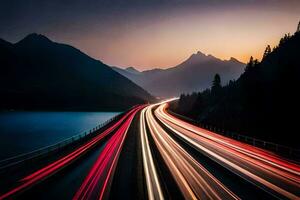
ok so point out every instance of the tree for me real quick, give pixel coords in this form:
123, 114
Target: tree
285, 38
197, 106
267, 51
255, 62
298, 28
250, 64
216, 83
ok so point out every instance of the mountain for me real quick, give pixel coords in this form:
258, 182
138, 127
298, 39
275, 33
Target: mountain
193, 74
263, 103
132, 70
37, 73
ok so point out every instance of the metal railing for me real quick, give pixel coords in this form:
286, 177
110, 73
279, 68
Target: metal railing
15, 160
283, 150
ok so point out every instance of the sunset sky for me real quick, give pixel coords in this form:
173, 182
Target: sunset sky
154, 33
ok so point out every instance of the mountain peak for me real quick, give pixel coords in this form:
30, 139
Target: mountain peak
232, 59
34, 37
199, 53
132, 70
62, 73
199, 57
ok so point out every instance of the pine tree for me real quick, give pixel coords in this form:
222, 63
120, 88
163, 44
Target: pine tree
250, 64
255, 62
216, 83
284, 39
198, 105
267, 51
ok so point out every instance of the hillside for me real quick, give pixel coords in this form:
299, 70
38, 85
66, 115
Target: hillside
263, 102
193, 74
37, 73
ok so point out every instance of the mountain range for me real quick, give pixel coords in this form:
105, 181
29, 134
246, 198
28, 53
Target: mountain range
37, 73
262, 103
194, 74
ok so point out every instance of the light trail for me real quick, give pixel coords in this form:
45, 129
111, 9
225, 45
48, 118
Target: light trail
152, 180
262, 168
194, 181
55, 166
258, 153
268, 171
96, 184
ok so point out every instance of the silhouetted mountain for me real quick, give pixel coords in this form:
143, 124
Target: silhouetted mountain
264, 102
132, 70
37, 73
193, 74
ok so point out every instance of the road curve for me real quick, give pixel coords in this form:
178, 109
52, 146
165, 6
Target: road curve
269, 172
193, 180
152, 182
176, 160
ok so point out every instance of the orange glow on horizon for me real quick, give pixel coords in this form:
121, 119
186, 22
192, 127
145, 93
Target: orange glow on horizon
166, 40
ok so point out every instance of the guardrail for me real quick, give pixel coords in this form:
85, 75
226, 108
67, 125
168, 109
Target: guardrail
21, 158
286, 151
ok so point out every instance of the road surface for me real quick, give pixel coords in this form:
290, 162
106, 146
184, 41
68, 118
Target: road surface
255, 173
150, 154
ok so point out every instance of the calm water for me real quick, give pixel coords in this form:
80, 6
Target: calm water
26, 131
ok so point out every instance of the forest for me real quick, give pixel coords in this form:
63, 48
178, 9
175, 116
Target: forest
262, 103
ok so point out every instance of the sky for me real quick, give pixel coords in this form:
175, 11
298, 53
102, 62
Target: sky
148, 34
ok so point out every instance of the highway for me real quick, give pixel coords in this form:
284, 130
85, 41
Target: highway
276, 177
96, 182
194, 181
32, 179
150, 154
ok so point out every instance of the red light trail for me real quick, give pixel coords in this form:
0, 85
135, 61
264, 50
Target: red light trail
102, 171
54, 167
172, 138
266, 170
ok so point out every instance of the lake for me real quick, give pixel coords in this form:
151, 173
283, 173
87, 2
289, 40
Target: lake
22, 132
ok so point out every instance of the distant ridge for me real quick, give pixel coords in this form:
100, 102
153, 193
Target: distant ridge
194, 74
262, 103
37, 73
132, 70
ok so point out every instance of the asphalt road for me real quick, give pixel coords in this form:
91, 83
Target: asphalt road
206, 165
150, 154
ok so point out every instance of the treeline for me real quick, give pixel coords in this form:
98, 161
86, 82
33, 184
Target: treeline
262, 103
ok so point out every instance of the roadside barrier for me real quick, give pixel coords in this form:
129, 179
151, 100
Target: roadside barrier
41, 152
282, 150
